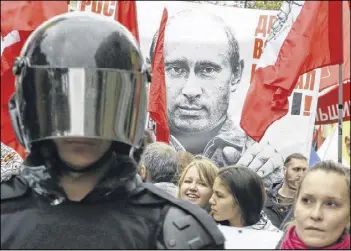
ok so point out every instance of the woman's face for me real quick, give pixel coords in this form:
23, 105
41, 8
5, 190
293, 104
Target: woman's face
194, 188
322, 209
223, 206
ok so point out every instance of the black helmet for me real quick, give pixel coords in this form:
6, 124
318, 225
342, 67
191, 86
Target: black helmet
80, 74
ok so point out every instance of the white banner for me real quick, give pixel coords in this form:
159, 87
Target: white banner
207, 82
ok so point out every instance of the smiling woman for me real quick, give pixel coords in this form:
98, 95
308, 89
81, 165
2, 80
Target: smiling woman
196, 181
322, 210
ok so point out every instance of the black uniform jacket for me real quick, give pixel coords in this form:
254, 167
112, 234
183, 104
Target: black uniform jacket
120, 213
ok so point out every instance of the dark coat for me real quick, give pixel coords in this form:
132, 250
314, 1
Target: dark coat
274, 211
120, 213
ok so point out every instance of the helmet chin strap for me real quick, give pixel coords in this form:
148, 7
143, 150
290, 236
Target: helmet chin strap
96, 165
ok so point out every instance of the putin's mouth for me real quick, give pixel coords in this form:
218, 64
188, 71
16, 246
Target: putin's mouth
190, 108
192, 111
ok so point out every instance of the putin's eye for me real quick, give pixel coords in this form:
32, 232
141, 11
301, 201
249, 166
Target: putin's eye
207, 70
175, 71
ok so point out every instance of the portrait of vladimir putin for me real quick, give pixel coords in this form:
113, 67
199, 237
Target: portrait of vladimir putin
202, 68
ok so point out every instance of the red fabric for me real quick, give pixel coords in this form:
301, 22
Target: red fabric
27, 15
126, 14
330, 74
24, 17
313, 41
158, 102
328, 105
292, 241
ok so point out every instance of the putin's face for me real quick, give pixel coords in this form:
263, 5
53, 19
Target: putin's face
198, 74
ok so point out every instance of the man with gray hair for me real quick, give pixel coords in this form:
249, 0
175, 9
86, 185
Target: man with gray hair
202, 68
159, 165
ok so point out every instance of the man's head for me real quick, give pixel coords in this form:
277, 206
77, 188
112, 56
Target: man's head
158, 163
295, 166
83, 97
202, 67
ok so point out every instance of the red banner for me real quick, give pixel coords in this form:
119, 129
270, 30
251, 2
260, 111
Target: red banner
327, 109
330, 74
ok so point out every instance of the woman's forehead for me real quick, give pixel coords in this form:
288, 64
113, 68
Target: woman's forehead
325, 184
220, 185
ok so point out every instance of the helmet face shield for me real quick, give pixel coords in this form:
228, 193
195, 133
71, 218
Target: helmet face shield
81, 102
80, 75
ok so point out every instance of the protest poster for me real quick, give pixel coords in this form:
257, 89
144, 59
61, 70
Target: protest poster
207, 80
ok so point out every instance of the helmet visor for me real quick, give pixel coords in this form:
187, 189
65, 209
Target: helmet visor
95, 103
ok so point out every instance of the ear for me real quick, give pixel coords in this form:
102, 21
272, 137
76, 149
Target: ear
236, 76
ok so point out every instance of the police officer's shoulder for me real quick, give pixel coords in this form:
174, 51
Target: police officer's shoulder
13, 188
186, 226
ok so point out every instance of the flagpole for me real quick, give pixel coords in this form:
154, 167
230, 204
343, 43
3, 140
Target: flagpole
340, 105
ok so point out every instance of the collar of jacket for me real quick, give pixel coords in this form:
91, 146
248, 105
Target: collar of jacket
119, 180
274, 189
272, 193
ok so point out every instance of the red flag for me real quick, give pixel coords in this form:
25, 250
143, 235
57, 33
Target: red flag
330, 74
158, 99
306, 35
13, 43
126, 14
18, 20
27, 15
327, 108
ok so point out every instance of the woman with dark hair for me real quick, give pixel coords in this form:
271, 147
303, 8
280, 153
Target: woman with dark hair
321, 210
238, 199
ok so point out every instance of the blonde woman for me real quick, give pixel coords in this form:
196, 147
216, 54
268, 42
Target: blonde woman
196, 181
321, 210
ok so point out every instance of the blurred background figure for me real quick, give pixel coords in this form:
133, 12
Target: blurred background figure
147, 140
159, 165
11, 162
238, 199
321, 210
184, 159
280, 196
196, 181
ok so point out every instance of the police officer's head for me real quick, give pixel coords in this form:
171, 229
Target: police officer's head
80, 83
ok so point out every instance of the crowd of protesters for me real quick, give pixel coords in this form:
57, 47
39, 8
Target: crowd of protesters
311, 205
91, 182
